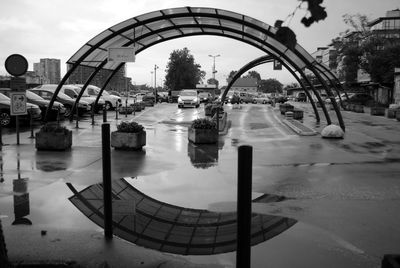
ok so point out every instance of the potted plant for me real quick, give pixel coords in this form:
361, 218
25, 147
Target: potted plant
128, 136
203, 130
53, 136
378, 109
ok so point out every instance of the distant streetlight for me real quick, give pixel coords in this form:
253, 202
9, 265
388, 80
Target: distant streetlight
213, 68
155, 82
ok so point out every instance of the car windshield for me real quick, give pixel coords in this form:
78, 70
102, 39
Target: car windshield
4, 97
188, 93
33, 96
63, 96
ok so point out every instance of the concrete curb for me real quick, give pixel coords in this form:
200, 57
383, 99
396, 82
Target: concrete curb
295, 126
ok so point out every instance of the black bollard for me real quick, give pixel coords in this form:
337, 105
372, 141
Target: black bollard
31, 124
217, 113
104, 114
116, 111
243, 253
92, 114
58, 115
77, 117
126, 107
106, 153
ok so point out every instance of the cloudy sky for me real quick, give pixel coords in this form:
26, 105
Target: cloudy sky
58, 28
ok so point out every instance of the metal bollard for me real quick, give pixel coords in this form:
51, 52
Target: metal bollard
58, 115
77, 117
104, 114
243, 253
17, 127
31, 124
217, 113
1, 135
116, 110
126, 108
92, 114
106, 155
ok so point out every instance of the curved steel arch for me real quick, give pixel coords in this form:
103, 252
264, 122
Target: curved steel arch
160, 26
263, 60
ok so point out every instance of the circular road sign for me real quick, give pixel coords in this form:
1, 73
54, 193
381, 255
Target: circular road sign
16, 65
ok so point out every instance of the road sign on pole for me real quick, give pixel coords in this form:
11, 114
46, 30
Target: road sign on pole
18, 103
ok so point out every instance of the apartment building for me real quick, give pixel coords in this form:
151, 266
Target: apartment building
48, 70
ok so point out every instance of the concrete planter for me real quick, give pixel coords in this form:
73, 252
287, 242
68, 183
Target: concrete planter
298, 114
128, 141
392, 112
202, 136
285, 107
380, 111
53, 141
358, 108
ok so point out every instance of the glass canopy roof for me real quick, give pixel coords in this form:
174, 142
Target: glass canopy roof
148, 29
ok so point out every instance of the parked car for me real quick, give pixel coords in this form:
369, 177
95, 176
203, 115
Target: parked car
281, 99
301, 96
110, 101
7, 119
162, 97
247, 98
115, 93
204, 96
188, 98
73, 91
48, 92
360, 98
264, 99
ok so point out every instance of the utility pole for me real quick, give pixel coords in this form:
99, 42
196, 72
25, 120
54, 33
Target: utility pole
155, 82
213, 67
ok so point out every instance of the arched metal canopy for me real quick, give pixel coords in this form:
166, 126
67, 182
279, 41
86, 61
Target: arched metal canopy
159, 26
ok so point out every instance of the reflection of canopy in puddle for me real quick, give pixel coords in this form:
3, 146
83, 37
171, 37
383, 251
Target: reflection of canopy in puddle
170, 228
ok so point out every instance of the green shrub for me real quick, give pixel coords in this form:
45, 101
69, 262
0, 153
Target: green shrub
54, 128
129, 127
203, 123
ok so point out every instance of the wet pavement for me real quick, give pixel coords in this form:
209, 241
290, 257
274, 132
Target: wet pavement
345, 194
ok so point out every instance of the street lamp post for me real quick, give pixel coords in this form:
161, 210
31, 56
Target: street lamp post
155, 82
213, 68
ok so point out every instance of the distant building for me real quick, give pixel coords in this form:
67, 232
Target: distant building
119, 82
245, 84
48, 70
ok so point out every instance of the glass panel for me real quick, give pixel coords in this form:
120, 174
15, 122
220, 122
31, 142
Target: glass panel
209, 30
149, 16
258, 23
140, 30
175, 11
79, 53
239, 36
202, 10
230, 14
119, 26
99, 37
97, 55
231, 25
296, 60
276, 44
117, 41
172, 33
159, 24
181, 21
305, 54
190, 30
209, 21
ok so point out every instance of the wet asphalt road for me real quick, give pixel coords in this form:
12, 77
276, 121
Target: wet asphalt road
345, 194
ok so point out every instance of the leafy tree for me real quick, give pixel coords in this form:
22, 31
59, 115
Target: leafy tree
253, 74
182, 70
213, 81
291, 85
230, 76
270, 86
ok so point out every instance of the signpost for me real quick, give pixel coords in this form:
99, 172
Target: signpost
121, 54
17, 65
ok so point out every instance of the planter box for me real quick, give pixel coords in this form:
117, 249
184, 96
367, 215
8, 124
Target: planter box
129, 110
53, 141
128, 141
298, 114
199, 136
358, 108
286, 108
378, 111
392, 112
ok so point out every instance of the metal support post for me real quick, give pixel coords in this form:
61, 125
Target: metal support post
17, 127
77, 117
217, 113
92, 114
104, 114
106, 153
58, 115
31, 124
116, 110
243, 253
126, 107
1, 135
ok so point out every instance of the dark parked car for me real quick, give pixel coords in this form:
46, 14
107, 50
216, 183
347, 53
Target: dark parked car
360, 98
281, 99
6, 119
68, 102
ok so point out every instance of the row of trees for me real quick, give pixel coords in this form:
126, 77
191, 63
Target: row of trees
360, 48
183, 72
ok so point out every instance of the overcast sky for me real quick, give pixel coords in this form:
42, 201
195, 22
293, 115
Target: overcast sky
58, 28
